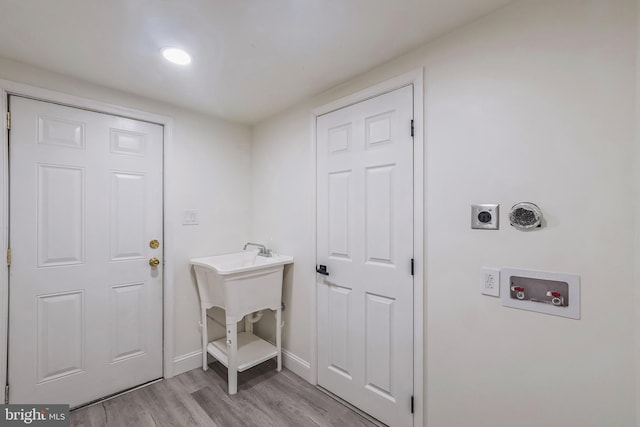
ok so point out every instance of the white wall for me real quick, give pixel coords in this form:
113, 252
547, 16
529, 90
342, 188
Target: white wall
209, 170
284, 217
636, 198
534, 102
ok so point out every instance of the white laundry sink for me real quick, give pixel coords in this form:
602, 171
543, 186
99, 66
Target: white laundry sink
239, 262
241, 283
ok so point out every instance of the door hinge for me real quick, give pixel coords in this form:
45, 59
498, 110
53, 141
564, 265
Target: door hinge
8, 120
412, 404
412, 128
412, 263
6, 394
8, 257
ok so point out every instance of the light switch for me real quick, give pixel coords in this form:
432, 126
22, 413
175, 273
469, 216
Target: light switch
190, 217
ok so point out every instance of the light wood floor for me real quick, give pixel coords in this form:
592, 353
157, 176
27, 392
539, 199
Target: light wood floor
197, 398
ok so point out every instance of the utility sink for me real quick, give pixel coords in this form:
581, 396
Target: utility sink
241, 283
239, 262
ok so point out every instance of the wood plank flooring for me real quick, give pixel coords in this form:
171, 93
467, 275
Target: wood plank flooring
197, 398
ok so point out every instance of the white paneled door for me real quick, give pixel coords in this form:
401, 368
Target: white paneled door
365, 239
85, 303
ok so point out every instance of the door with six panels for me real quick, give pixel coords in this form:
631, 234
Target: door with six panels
365, 239
85, 303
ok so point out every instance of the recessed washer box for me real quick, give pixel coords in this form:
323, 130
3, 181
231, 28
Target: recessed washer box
557, 294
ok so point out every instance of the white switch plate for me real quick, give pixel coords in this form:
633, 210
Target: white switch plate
190, 217
490, 282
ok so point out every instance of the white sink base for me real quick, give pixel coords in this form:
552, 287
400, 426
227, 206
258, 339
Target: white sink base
251, 351
239, 352
240, 283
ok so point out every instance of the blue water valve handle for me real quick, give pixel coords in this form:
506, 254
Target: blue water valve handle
322, 270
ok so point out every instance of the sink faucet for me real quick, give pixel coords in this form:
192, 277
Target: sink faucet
263, 249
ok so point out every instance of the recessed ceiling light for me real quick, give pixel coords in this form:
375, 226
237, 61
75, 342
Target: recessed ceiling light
177, 56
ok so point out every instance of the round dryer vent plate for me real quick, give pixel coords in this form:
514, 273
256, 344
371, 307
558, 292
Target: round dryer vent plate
525, 216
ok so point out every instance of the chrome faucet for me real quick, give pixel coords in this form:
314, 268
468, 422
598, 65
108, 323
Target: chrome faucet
263, 249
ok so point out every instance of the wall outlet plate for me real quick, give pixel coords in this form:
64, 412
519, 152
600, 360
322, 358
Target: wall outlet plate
485, 217
490, 282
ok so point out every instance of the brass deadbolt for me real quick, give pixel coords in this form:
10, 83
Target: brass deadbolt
154, 244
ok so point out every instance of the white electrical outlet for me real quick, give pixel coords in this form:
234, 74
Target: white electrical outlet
490, 282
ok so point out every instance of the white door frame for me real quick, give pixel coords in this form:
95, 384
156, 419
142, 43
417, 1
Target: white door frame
419, 161
18, 89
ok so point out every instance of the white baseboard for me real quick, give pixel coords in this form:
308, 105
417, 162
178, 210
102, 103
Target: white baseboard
189, 361
296, 364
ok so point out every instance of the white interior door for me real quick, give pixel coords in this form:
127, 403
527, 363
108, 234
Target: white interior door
85, 306
365, 238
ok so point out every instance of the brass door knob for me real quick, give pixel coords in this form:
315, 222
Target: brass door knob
154, 262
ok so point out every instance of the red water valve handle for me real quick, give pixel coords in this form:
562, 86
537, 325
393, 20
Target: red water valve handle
517, 289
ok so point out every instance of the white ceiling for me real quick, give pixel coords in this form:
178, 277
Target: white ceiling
251, 58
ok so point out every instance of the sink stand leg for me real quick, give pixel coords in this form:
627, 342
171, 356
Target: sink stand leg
248, 326
279, 337
205, 337
232, 355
